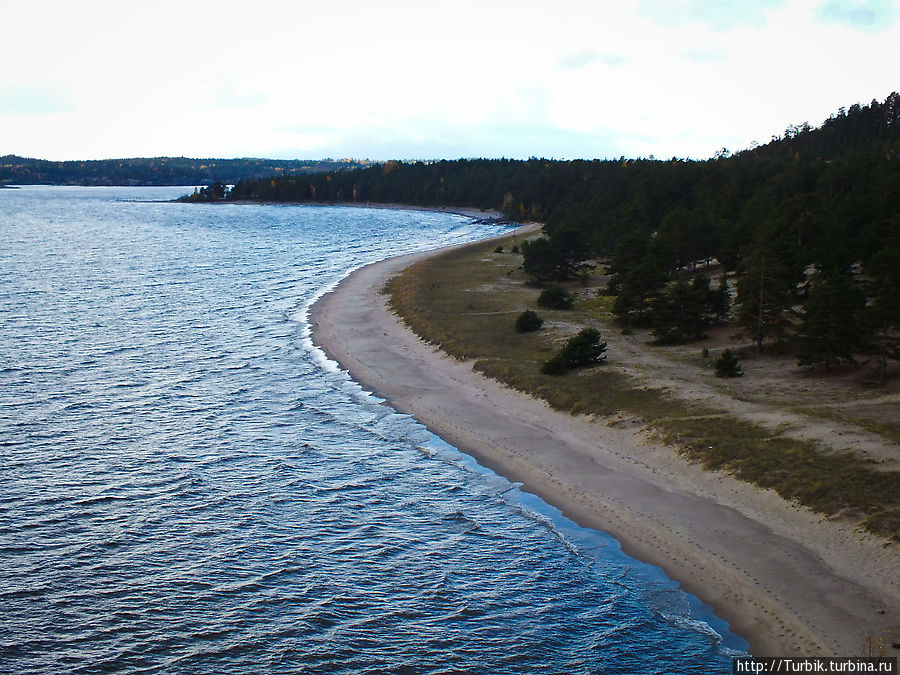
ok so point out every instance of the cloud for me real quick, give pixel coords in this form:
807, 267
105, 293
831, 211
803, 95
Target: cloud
229, 97
865, 15
580, 60
27, 100
718, 14
706, 55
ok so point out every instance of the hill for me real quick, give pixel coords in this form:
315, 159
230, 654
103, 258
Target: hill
158, 170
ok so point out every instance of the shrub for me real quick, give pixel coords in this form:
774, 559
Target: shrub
727, 365
583, 349
528, 321
555, 297
499, 249
555, 365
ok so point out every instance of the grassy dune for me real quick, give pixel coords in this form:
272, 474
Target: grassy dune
466, 302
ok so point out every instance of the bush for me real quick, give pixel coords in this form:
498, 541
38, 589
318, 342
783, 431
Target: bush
555, 297
555, 365
727, 365
583, 349
528, 321
499, 249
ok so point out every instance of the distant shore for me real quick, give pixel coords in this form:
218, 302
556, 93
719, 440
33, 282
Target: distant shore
773, 571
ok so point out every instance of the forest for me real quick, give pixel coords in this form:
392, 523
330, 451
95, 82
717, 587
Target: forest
797, 240
157, 170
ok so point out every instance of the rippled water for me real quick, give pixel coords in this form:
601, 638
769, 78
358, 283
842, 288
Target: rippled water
188, 485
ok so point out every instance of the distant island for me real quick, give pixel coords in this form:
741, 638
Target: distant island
159, 170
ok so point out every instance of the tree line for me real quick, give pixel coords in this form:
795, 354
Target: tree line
157, 170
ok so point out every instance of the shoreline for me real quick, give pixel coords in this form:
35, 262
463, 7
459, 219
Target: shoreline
485, 215
786, 580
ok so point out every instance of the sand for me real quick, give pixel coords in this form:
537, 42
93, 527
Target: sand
787, 580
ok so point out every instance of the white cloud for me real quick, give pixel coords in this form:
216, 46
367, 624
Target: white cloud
718, 14
582, 59
866, 15
31, 100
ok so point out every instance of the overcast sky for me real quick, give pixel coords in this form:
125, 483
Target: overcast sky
421, 79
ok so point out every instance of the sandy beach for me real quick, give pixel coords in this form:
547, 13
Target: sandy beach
788, 580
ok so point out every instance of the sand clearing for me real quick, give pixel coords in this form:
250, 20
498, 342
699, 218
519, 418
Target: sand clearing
786, 579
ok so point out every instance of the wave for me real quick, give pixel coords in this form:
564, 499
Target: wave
192, 485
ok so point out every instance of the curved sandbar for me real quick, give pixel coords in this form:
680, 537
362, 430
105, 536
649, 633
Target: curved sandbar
787, 580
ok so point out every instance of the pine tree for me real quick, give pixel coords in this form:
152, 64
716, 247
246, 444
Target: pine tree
544, 261
829, 331
767, 291
881, 316
582, 349
685, 311
727, 365
637, 291
679, 314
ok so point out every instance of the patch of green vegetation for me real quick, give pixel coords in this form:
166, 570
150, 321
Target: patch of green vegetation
556, 297
882, 427
597, 305
433, 295
727, 365
528, 321
886, 429
885, 522
794, 469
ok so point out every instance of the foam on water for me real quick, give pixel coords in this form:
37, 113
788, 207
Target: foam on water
190, 486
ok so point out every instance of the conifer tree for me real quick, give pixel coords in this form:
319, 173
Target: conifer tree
678, 314
685, 311
544, 261
767, 291
727, 365
881, 316
829, 331
582, 349
638, 289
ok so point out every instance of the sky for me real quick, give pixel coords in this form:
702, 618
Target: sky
398, 79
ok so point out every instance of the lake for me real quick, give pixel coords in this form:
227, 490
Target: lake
189, 485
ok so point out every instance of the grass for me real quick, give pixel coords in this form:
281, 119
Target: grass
466, 302
885, 428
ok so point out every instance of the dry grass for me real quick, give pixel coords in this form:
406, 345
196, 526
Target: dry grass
466, 302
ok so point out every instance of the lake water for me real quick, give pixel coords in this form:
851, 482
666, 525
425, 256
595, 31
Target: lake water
189, 485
